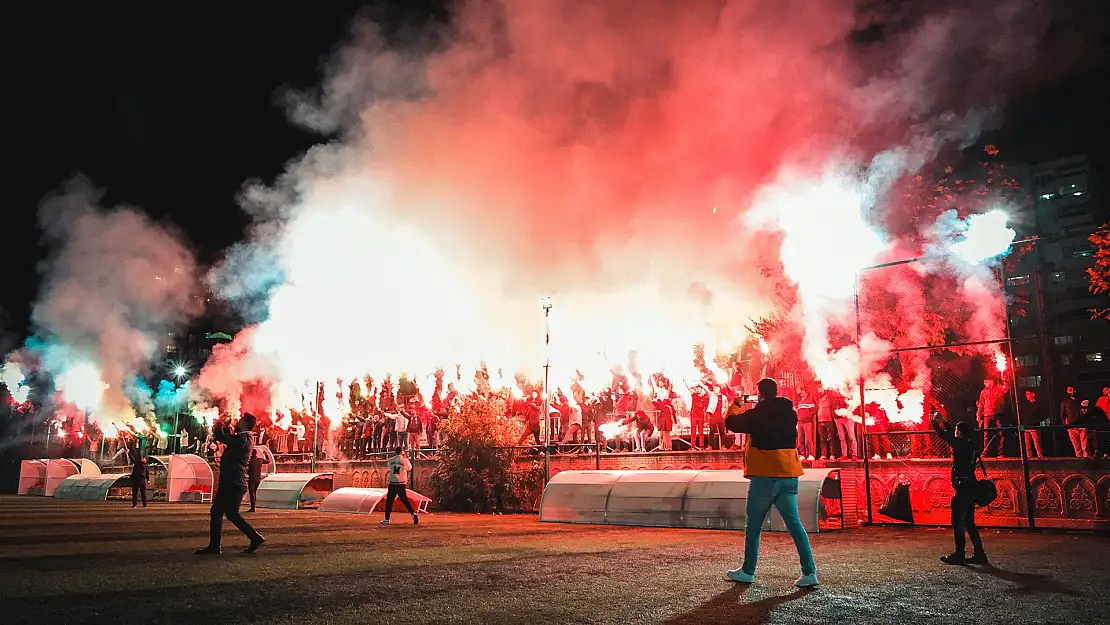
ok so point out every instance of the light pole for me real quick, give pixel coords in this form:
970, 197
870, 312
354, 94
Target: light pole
178, 372
545, 302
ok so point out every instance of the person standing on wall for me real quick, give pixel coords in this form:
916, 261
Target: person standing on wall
772, 464
254, 477
1033, 412
234, 469
807, 413
399, 467
140, 474
988, 410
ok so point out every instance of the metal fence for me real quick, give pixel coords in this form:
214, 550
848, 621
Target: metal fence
1045, 453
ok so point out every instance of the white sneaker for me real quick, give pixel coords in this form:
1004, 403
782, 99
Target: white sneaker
810, 458
738, 575
807, 581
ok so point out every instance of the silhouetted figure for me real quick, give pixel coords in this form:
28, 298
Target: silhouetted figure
140, 473
399, 467
965, 452
234, 469
255, 477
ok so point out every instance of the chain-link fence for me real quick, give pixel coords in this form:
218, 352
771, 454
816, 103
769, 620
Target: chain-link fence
1033, 396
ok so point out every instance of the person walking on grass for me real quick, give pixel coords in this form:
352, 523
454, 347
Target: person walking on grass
772, 464
399, 467
234, 468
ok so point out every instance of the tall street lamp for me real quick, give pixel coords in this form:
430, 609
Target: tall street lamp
545, 302
179, 371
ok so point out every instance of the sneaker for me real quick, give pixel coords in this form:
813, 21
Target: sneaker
889, 456
384, 522
738, 575
255, 544
810, 458
806, 581
208, 551
953, 558
415, 520
978, 558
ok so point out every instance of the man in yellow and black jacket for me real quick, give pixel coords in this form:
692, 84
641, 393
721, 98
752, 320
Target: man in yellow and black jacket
772, 464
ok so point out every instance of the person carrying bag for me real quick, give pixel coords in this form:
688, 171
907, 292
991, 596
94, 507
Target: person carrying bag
969, 490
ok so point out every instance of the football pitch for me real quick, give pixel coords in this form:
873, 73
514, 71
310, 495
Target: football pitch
101, 562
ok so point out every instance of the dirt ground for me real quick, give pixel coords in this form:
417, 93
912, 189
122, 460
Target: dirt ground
100, 562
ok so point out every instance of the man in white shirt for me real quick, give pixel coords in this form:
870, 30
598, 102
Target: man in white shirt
575, 427
400, 426
399, 467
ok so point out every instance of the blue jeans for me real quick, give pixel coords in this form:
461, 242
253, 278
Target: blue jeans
782, 493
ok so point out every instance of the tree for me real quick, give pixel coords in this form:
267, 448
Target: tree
478, 469
1099, 274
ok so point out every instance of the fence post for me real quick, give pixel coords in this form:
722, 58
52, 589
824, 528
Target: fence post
1025, 472
863, 405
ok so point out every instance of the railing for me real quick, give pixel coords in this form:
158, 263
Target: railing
1047, 477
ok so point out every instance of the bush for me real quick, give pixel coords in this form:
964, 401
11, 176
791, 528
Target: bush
477, 471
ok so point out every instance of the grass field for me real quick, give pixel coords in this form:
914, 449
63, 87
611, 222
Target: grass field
101, 562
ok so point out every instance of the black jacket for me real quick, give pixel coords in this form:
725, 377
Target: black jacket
235, 461
772, 424
964, 454
139, 470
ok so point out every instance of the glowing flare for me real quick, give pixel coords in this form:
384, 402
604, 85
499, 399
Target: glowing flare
81, 385
1000, 362
985, 236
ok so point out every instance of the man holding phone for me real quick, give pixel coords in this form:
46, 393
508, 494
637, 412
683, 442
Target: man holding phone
772, 464
234, 471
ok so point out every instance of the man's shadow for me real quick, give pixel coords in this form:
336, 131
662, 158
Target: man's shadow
729, 608
1027, 583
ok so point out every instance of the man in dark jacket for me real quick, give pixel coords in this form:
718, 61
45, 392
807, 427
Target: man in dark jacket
1071, 411
772, 464
965, 453
234, 470
140, 473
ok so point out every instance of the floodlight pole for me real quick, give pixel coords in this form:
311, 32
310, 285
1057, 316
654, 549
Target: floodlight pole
862, 448
546, 303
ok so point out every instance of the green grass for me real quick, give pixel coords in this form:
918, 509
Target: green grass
101, 562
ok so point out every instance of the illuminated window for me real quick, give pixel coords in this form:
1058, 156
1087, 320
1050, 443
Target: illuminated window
1062, 340
1026, 361
1046, 196
1029, 381
1065, 359
1094, 357
1017, 280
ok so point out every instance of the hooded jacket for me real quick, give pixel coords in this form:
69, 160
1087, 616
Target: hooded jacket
771, 449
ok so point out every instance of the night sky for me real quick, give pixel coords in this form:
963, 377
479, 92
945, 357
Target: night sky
172, 111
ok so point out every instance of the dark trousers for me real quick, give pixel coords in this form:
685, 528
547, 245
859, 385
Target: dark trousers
252, 488
825, 431
532, 430
992, 440
396, 491
717, 429
963, 520
138, 486
226, 503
